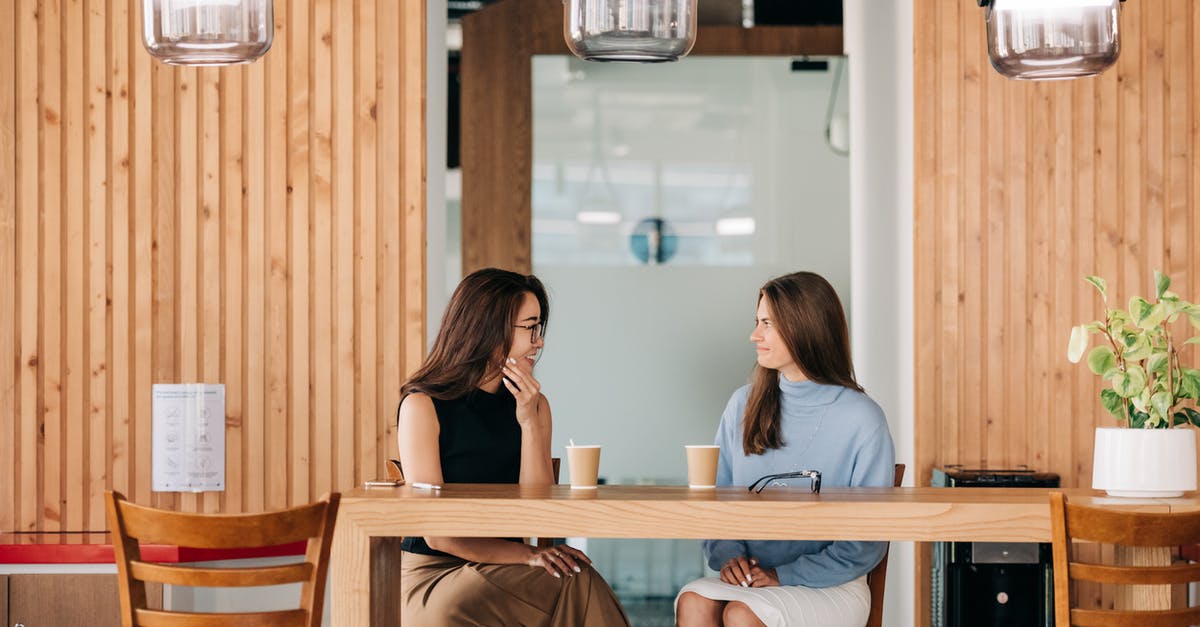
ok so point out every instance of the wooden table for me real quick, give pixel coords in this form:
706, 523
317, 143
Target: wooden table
896, 514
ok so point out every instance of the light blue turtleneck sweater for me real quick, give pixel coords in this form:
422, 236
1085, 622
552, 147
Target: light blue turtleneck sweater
829, 428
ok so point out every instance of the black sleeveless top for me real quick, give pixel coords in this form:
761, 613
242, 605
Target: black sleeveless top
479, 442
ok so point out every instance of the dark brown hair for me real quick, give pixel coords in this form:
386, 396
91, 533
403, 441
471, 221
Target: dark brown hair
808, 316
476, 332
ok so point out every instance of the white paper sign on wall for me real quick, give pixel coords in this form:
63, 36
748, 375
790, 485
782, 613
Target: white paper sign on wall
188, 435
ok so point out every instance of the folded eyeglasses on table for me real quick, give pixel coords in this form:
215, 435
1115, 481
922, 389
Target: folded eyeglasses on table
768, 480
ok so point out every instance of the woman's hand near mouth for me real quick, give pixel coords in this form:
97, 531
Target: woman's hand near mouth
519, 379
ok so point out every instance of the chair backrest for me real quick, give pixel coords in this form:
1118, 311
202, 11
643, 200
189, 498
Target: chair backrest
133, 524
877, 578
394, 471
1123, 528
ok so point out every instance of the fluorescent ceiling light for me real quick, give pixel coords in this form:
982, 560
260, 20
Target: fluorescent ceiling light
735, 226
598, 217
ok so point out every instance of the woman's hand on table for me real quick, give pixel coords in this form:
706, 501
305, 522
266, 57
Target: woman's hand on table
526, 389
559, 560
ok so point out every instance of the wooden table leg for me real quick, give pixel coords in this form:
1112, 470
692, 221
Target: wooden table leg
386, 554
350, 574
1142, 597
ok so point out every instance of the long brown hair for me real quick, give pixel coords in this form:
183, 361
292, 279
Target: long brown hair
808, 316
476, 332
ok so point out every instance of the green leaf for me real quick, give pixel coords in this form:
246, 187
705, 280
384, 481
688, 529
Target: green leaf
1077, 343
1142, 312
1193, 416
1129, 383
1172, 306
1101, 285
1137, 346
1141, 402
1161, 404
1102, 361
1119, 318
1113, 403
1179, 418
1189, 383
1158, 313
1193, 340
1193, 314
1161, 283
1137, 419
1157, 364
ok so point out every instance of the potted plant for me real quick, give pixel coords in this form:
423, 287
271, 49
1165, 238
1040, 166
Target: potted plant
1138, 356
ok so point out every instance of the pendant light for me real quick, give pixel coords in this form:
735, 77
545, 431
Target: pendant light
1052, 39
641, 31
207, 32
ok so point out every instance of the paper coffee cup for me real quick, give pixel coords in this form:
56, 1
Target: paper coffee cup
702, 465
583, 463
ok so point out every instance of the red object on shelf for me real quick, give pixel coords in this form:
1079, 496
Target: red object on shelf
1190, 552
96, 548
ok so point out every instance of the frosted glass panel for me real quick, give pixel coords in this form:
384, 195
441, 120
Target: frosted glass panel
724, 164
705, 162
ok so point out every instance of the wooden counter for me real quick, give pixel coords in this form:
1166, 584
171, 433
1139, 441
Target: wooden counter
896, 514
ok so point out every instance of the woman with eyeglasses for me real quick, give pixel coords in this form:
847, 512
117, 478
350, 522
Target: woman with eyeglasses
474, 413
802, 411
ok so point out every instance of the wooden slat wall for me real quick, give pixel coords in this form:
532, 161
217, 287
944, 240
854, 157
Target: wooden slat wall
1021, 189
260, 226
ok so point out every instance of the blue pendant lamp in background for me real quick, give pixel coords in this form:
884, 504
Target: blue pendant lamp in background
207, 32
641, 31
1052, 39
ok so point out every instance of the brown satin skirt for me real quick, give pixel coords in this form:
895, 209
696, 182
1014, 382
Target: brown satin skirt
443, 590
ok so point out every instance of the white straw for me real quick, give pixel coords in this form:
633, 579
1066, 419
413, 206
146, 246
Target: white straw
571, 441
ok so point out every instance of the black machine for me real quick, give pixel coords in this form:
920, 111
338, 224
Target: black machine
992, 584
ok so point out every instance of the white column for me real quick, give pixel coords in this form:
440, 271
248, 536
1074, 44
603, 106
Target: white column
879, 44
435, 165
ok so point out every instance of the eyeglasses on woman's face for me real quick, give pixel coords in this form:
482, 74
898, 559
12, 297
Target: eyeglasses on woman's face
536, 330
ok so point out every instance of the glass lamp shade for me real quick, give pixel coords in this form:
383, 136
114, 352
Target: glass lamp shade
1052, 39
207, 32
644, 31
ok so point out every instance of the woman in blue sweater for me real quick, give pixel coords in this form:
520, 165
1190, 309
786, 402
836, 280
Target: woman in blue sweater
803, 410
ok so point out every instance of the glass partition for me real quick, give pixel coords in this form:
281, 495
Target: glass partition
663, 197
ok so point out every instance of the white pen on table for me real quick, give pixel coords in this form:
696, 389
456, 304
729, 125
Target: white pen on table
426, 486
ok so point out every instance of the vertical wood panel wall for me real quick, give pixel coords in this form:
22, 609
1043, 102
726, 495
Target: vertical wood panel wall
1021, 189
260, 226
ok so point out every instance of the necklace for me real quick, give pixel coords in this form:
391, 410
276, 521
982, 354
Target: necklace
812, 438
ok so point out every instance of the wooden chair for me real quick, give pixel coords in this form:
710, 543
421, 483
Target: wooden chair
393, 469
877, 578
133, 524
1121, 528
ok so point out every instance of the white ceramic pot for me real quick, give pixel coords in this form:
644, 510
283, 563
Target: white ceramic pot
1151, 463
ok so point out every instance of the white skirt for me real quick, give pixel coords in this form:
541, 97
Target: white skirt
846, 605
